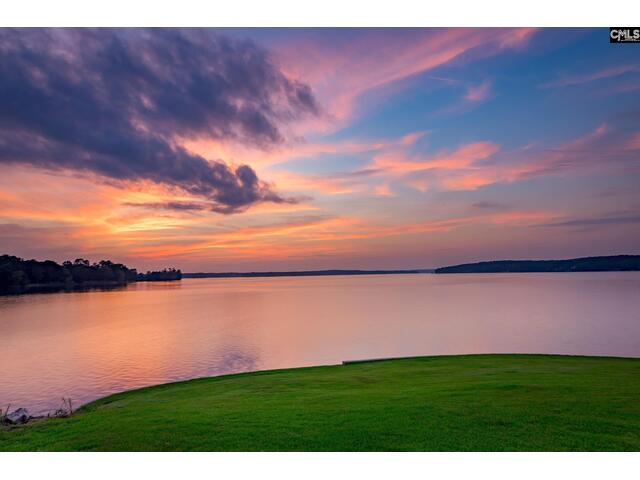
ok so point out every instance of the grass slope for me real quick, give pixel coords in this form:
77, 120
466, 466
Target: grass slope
475, 402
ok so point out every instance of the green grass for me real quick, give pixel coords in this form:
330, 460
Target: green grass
475, 402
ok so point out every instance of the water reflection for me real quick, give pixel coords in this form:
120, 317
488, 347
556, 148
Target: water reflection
86, 345
234, 361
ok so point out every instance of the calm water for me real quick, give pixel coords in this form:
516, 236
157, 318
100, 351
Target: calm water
86, 345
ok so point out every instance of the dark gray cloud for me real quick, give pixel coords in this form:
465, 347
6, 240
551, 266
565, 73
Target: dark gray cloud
177, 206
364, 172
486, 205
612, 219
113, 103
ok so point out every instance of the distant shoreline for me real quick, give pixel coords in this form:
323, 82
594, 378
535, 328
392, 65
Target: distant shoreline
17, 275
611, 263
307, 273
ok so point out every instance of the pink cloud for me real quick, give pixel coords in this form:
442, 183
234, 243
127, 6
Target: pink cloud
383, 191
478, 164
342, 71
338, 182
329, 184
474, 165
523, 164
411, 138
296, 150
634, 142
576, 154
478, 93
604, 147
463, 156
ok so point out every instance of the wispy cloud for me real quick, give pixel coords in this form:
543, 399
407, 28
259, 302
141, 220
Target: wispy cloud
383, 190
461, 157
474, 165
570, 80
478, 93
603, 148
448, 169
343, 181
341, 70
330, 183
614, 218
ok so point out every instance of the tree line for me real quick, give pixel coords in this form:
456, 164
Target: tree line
19, 276
609, 263
165, 274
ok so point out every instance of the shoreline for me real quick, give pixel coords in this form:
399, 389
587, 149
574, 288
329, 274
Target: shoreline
306, 273
483, 402
347, 363
342, 363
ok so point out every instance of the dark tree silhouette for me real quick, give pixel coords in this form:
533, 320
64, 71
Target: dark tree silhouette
587, 264
20, 276
166, 274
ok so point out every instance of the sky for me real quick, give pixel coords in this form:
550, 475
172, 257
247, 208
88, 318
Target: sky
293, 149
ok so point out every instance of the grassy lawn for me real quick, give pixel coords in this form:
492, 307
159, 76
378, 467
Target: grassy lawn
475, 402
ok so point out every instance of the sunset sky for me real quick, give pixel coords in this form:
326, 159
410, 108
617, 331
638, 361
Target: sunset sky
283, 149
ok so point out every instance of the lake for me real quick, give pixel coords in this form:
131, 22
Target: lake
86, 345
